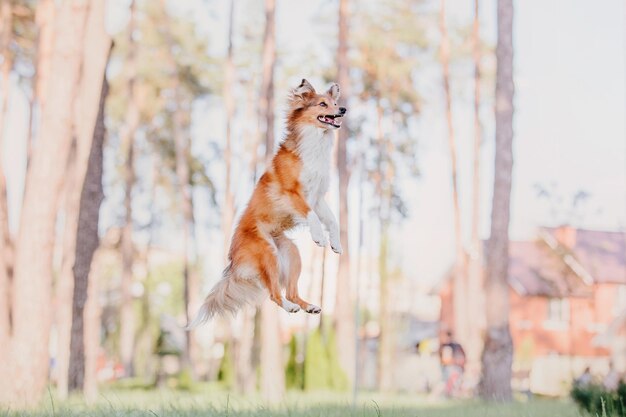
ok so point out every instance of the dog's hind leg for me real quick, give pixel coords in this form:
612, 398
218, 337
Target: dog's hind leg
269, 271
291, 266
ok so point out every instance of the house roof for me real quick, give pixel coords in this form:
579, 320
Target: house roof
601, 253
536, 270
565, 262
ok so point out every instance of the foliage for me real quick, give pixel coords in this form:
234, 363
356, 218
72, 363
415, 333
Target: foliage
316, 366
186, 75
321, 365
294, 373
185, 380
226, 373
597, 401
390, 40
338, 379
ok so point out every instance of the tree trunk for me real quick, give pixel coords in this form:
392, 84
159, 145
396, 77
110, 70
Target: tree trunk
90, 137
6, 16
272, 366
229, 104
6, 37
498, 353
64, 283
385, 176
91, 334
475, 281
44, 17
127, 316
33, 275
245, 376
266, 107
344, 315
87, 242
386, 339
183, 154
86, 107
271, 358
182, 150
320, 325
6, 244
460, 268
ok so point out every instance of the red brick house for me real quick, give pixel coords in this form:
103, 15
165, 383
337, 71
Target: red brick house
567, 290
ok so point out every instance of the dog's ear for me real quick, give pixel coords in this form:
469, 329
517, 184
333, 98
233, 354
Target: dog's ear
300, 94
304, 89
334, 91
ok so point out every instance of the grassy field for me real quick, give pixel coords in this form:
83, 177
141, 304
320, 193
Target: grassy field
209, 402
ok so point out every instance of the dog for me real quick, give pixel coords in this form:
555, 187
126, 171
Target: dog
262, 259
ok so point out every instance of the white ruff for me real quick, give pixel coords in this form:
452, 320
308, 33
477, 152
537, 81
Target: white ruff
314, 149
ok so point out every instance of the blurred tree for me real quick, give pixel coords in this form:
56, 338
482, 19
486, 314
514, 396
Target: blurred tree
6, 15
90, 132
33, 276
272, 369
475, 299
181, 105
268, 66
17, 28
460, 262
388, 37
344, 317
44, 16
228, 210
96, 50
497, 356
133, 119
6, 39
164, 96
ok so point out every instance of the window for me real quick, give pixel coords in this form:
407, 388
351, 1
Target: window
558, 313
620, 300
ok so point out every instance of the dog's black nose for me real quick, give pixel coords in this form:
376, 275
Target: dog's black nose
342, 110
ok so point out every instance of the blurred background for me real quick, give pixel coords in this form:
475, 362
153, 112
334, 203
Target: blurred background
132, 133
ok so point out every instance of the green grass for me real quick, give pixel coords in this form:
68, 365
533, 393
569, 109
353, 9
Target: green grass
209, 401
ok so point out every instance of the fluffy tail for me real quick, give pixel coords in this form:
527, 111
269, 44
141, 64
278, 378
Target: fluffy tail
227, 296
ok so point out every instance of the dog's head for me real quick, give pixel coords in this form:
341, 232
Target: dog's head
307, 107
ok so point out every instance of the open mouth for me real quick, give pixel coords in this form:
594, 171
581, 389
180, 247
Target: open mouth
333, 120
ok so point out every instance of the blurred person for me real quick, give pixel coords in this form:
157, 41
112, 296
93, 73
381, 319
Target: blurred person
611, 379
452, 359
585, 378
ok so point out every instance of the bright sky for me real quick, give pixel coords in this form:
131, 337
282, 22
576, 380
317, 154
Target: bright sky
569, 120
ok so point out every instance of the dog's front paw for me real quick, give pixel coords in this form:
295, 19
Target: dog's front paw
313, 309
335, 245
290, 307
317, 234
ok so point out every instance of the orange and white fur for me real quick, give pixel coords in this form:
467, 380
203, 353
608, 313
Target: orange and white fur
262, 259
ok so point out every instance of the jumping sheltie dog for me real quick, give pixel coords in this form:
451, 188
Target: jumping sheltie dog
262, 259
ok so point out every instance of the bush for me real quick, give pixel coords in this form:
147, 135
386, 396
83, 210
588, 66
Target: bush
294, 374
597, 401
316, 367
226, 373
321, 366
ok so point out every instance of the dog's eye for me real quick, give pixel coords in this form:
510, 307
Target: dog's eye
323, 104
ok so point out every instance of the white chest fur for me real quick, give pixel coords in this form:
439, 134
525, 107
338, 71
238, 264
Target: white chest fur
314, 148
